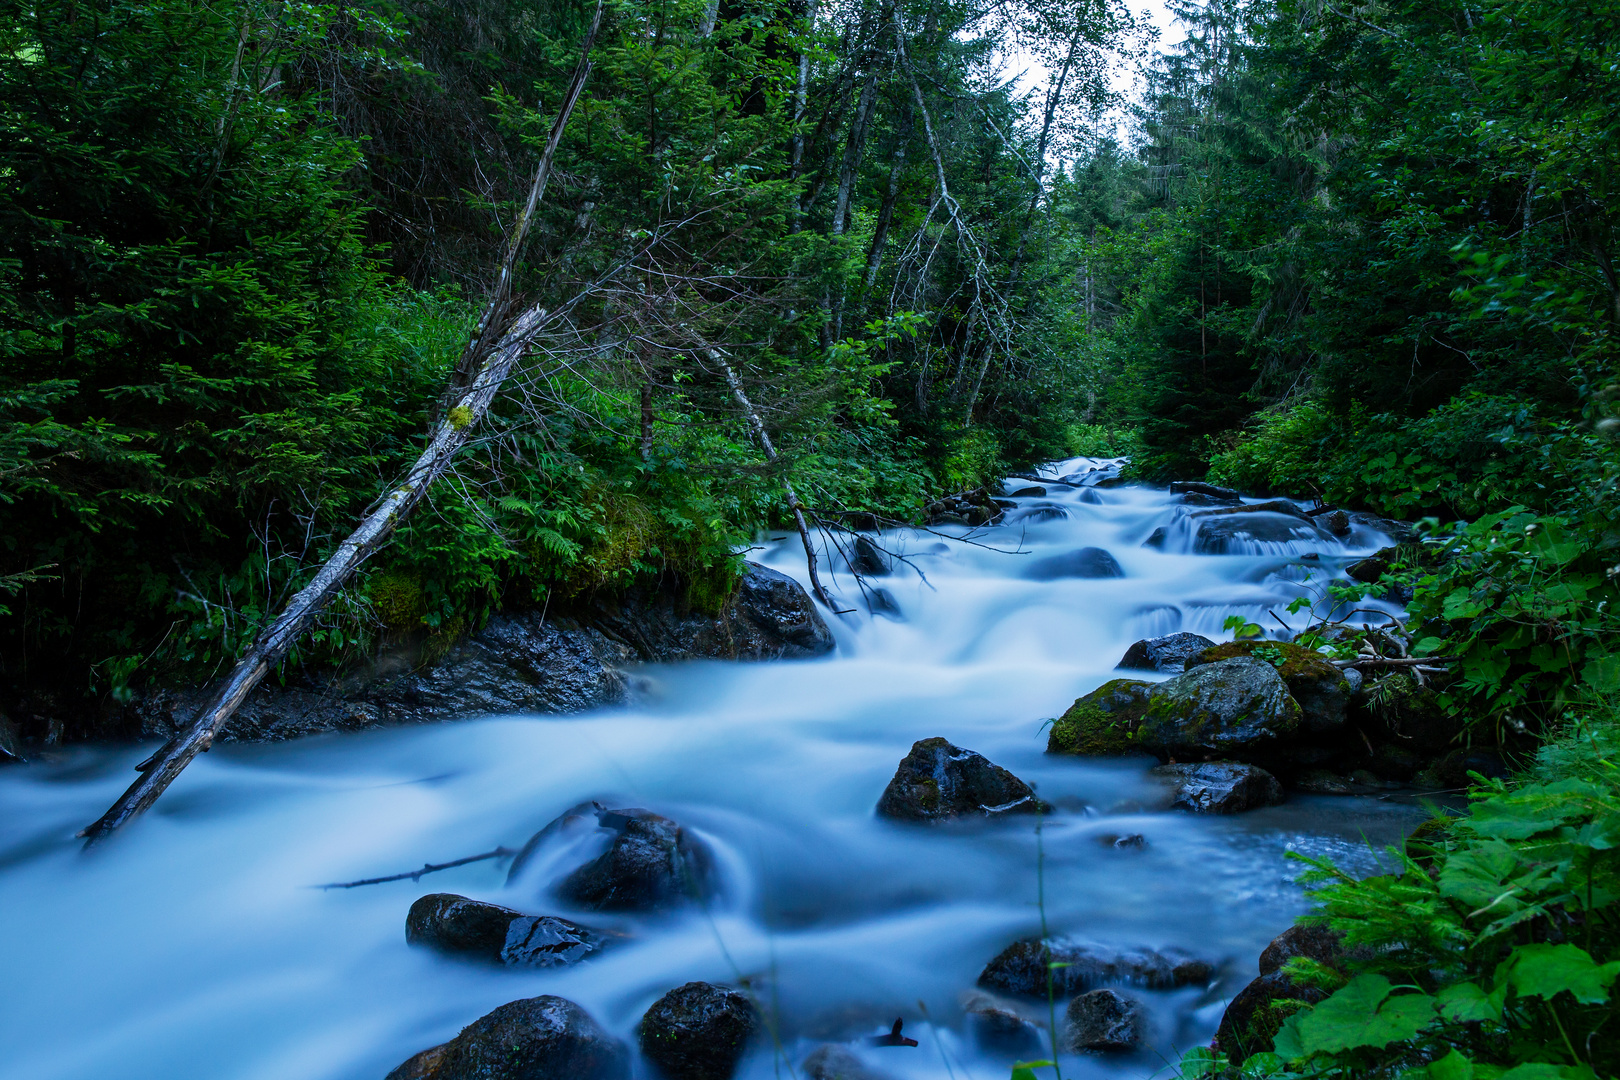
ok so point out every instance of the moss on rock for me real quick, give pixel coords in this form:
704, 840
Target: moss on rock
1104, 722
1321, 689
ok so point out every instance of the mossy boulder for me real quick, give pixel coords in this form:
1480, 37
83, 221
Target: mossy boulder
938, 781
542, 1038
1321, 689
1238, 708
1104, 722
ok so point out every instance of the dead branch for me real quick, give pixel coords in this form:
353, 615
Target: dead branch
427, 868
451, 434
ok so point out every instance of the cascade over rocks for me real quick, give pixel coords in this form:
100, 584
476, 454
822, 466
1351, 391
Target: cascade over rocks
1238, 708
1105, 1020
699, 1031
1220, 787
868, 560
541, 1038
1089, 562
1021, 968
1209, 491
477, 930
938, 781
1321, 689
520, 662
1169, 653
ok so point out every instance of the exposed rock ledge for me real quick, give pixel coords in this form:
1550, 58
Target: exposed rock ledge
523, 662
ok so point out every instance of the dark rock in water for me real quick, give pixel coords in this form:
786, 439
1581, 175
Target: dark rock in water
1255, 1015
1021, 968
1168, 653
1105, 1020
10, 742
1322, 690
699, 1031
1129, 842
1157, 538
1221, 787
998, 1026
882, 602
1088, 562
938, 781
1270, 506
523, 662
1089, 497
1402, 532
868, 559
1112, 482
458, 926
1194, 498
1323, 782
1029, 493
542, 1038
833, 1062
1219, 535
1317, 943
1373, 567
651, 864
1198, 487
1337, 522
1043, 512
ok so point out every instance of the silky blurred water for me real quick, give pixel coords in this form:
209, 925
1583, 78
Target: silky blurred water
194, 944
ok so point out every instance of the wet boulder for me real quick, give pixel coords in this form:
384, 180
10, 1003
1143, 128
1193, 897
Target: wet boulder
1238, 708
1321, 688
1236, 528
830, 1061
699, 1031
651, 863
457, 926
542, 1038
1022, 968
1252, 1018
1102, 722
1105, 1020
1402, 532
998, 1025
1210, 491
1088, 562
869, 560
1319, 943
1029, 493
938, 781
1169, 653
1220, 787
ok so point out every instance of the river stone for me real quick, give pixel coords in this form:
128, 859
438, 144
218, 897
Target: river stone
698, 1031
997, 1025
1089, 562
1232, 708
542, 1038
1198, 487
1105, 1020
1253, 1018
1102, 722
830, 1061
1321, 689
458, 926
652, 865
938, 781
1402, 532
1168, 653
1221, 787
1021, 968
868, 559
1319, 943
1029, 493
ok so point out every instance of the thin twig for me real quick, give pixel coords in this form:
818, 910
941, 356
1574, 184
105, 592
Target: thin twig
427, 868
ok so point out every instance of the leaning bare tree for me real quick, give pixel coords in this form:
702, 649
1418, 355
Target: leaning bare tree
498, 343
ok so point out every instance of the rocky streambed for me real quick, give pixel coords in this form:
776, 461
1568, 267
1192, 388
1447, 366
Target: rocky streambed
1037, 747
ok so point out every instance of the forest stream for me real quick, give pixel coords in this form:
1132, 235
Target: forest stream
198, 943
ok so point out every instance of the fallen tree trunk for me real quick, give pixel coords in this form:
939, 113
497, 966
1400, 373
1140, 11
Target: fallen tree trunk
489, 358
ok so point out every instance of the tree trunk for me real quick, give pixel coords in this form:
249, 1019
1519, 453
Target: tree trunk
488, 359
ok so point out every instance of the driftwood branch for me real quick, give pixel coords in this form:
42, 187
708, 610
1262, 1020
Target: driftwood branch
1393, 661
427, 868
468, 408
794, 504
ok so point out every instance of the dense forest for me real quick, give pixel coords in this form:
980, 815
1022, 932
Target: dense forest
1363, 253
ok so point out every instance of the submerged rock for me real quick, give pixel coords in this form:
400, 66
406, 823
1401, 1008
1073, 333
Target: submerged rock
833, 1062
1198, 487
1021, 968
1028, 493
997, 1025
477, 930
699, 1031
1105, 1020
938, 781
1234, 708
542, 1038
1169, 653
868, 559
1321, 689
1089, 562
1221, 787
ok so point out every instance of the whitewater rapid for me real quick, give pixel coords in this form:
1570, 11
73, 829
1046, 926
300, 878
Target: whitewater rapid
195, 945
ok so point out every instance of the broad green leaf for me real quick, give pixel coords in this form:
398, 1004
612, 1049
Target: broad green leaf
1466, 1003
1454, 1066
1025, 1070
1288, 1043
1602, 673
1534, 1071
1363, 1013
1545, 971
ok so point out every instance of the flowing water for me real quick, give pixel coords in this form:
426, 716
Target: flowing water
195, 945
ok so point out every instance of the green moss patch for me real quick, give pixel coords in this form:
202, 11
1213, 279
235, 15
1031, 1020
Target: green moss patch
1104, 722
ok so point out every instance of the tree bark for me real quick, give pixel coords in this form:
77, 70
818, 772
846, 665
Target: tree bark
494, 350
